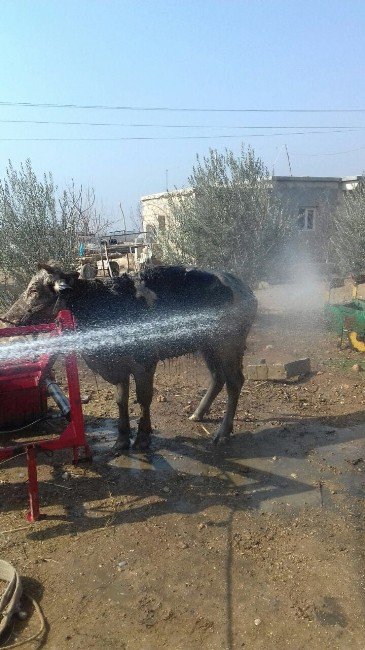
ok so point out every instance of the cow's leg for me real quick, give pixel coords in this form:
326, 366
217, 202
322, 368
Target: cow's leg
232, 370
215, 387
124, 429
144, 393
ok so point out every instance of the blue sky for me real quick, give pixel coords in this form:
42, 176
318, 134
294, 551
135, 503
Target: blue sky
223, 54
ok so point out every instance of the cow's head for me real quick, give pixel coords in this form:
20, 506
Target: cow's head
44, 296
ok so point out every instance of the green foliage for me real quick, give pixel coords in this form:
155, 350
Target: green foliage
349, 237
37, 223
231, 220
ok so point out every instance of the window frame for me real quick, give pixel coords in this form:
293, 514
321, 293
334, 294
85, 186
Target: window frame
306, 213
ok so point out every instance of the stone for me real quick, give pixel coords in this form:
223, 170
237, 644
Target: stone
356, 368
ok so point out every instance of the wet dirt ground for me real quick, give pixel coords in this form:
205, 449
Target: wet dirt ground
257, 545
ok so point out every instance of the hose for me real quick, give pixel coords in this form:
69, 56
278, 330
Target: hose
9, 603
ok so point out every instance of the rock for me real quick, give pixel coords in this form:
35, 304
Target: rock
168, 614
65, 476
161, 398
22, 615
122, 564
183, 545
356, 367
85, 399
257, 621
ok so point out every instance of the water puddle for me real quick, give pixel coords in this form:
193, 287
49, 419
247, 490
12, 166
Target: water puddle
304, 470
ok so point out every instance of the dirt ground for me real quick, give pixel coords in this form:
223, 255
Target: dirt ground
258, 545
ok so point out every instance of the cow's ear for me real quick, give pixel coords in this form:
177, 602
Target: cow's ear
47, 267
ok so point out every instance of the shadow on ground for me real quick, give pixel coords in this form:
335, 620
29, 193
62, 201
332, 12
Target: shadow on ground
290, 465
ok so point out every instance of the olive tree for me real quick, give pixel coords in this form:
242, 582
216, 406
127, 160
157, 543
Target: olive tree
348, 240
230, 220
37, 222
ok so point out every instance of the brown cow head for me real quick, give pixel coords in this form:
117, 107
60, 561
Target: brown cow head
42, 298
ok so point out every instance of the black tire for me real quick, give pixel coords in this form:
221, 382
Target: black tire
114, 267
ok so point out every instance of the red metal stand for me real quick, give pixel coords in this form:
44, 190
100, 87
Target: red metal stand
33, 513
29, 376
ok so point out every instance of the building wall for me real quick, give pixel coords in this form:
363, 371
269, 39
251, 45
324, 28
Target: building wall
322, 194
307, 193
156, 209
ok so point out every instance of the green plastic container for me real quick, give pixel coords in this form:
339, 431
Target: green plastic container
347, 314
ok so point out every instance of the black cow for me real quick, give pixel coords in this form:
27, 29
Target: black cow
157, 295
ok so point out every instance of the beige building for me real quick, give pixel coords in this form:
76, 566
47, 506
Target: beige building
312, 200
156, 209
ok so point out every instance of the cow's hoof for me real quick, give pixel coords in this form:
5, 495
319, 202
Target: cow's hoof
220, 440
142, 444
122, 444
196, 417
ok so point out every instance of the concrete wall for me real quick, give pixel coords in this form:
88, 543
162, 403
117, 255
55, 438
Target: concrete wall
156, 208
321, 194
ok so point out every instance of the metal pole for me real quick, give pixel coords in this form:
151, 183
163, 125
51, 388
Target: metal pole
33, 513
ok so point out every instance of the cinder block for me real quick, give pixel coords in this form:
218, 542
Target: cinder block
251, 372
277, 371
298, 367
257, 372
262, 372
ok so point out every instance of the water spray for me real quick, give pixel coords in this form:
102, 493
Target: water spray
128, 336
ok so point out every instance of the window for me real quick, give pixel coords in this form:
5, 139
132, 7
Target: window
161, 220
306, 218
